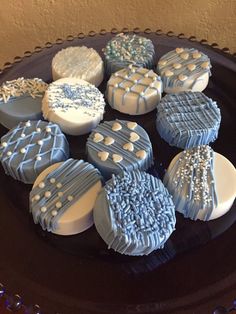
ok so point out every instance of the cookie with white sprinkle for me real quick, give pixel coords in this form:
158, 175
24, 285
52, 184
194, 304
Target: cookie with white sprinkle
134, 90
134, 213
63, 197
21, 100
78, 62
31, 147
119, 145
188, 119
126, 49
198, 179
184, 69
75, 105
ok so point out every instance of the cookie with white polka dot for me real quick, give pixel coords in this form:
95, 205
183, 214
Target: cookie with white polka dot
184, 69
63, 197
31, 147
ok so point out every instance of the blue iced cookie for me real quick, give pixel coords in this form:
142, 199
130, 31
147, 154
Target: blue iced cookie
184, 69
21, 100
30, 147
63, 197
126, 49
134, 213
119, 145
188, 119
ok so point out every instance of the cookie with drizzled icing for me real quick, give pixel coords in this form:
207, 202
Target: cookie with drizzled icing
119, 145
184, 69
134, 213
198, 178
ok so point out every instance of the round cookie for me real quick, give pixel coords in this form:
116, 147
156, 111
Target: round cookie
117, 145
63, 197
134, 213
134, 91
198, 180
188, 119
125, 49
76, 105
31, 147
21, 100
78, 62
184, 69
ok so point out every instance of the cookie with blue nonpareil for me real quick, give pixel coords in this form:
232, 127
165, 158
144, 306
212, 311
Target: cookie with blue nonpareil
198, 179
134, 90
125, 49
78, 62
30, 147
188, 119
119, 145
184, 69
21, 100
75, 105
134, 213
63, 197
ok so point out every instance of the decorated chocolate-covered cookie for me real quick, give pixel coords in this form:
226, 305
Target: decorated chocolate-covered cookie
63, 197
184, 69
134, 90
188, 119
30, 147
75, 105
134, 213
115, 146
21, 100
78, 62
126, 49
198, 179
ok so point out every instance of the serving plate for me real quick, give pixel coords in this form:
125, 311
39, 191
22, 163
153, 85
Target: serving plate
77, 274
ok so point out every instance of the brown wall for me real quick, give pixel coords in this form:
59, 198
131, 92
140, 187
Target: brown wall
25, 24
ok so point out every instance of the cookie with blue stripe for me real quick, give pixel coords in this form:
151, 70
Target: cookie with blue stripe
188, 119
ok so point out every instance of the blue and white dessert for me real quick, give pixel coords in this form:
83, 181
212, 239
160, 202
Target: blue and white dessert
134, 90
184, 69
115, 146
78, 62
63, 197
31, 147
126, 49
134, 213
198, 179
188, 119
74, 104
21, 100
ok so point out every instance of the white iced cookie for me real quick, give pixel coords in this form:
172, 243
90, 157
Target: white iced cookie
78, 62
184, 69
202, 183
134, 90
76, 105
63, 197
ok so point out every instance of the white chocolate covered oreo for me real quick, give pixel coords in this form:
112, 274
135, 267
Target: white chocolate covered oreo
76, 105
78, 62
202, 183
63, 197
134, 90
184, 69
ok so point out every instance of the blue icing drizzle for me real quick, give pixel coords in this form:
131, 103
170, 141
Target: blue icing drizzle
188, 119
146, 81
31, 147
134, 213
202, 65
59, 190
191, 182
130, 160
124, 49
